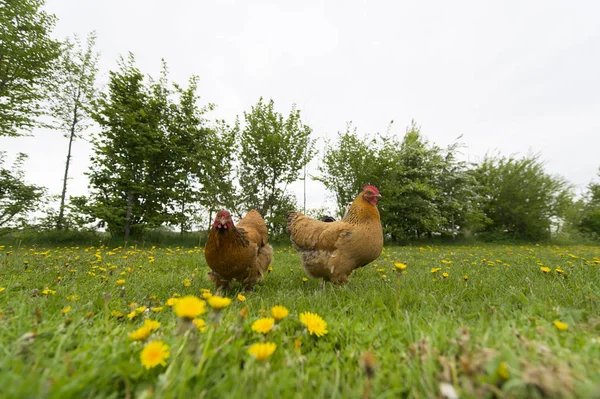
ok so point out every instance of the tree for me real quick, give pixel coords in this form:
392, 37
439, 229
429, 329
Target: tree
589, 222
520, 199
128, 171
273, 151
27, 54
348, 166
70, 98
16, 197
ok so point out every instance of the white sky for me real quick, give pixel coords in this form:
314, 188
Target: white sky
509, 76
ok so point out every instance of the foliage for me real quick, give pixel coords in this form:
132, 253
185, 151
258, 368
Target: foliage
425, 189
589, 218
70, 98
155, 156
347, 166
521, 200
66, 332
272, 151
26, 58
17, 198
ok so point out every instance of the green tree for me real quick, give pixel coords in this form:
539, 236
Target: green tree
16, 197
70, 97
273, 151
589, 222
129, 170
27, 55
521, 200
347, 166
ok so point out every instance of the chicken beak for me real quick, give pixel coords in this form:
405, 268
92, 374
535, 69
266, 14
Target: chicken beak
377, 195
223, 222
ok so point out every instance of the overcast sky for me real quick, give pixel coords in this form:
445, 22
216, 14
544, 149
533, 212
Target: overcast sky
509, 76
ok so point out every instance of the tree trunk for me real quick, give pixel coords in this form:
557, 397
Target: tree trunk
129, 215
61, 212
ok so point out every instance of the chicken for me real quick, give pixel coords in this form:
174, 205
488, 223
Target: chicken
331, 251
238, 252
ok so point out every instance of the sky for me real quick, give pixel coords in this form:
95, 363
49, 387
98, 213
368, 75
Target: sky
509, 77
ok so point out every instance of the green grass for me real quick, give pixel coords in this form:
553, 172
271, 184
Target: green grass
492, 334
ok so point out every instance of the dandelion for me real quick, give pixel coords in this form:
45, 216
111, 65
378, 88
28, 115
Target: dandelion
171, 301
218, 302
154, 354
315, 324
545, 269
73, 298
241, 298
444, 275
140, 310
120, 282
151, 324
2, 289
435, 269
399, 266
559, 270
48, 292
279, 312
66, 310
140, 334
186, 282
304, 279
189, 307
131, 315
207, 295
157, 309
200, 324
262, 351
503, 370
116, 313
263, 325
560, 325
465, 277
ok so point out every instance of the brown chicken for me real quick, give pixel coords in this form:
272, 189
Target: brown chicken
331, 251
238, 252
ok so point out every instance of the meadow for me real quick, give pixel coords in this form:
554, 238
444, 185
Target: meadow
480, 321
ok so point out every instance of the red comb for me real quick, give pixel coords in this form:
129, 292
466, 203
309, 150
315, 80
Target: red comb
371, 188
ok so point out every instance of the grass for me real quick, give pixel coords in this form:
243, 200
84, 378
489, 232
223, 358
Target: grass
490, 335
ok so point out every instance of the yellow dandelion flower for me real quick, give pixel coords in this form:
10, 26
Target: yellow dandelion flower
435, 269
304, 279
151, 324
279, 312
399, 266
503, 370
66, 310
241, 298
120, 282
559, 270
218, 302
465, 277
189, 307
383, 276
315, 324
171, 301
444, 275
186, 282
2, 289
154, 354
207, 295
560, 325
200, 324
545, 269
263, 325
48, 292
141, 333
140, 309
263, 350
157, 309
131, 315
205, 291
116, 313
